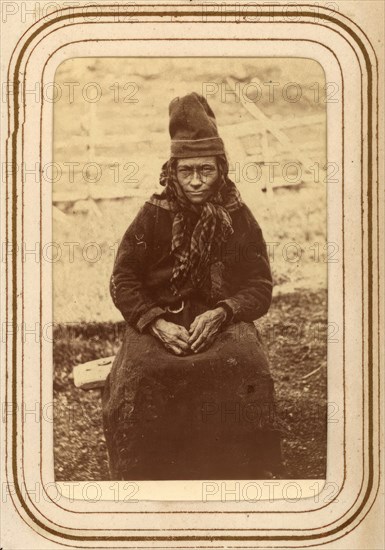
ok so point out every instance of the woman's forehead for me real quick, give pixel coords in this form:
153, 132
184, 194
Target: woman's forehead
197, 161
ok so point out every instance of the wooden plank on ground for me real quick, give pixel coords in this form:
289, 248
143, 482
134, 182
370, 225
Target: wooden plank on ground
92, 375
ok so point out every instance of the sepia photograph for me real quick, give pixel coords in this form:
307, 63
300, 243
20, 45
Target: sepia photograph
190, 301
192, 274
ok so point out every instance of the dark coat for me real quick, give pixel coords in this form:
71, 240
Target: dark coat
172, 417
241, 279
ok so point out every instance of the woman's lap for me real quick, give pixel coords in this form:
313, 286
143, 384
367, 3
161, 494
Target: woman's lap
170, 417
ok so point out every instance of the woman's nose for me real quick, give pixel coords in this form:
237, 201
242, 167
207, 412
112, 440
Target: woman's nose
196, 180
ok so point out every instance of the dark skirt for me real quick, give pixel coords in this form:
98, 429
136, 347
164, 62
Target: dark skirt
204, 416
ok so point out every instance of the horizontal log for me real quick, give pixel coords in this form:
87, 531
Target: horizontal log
101, 193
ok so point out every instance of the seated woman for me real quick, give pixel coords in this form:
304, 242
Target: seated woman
190, 395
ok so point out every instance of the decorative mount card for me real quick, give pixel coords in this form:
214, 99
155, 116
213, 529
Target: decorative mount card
192, 261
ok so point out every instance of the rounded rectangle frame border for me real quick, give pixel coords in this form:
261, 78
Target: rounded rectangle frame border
145, 13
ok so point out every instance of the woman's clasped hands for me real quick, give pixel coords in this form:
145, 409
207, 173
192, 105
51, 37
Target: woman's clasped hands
201, 334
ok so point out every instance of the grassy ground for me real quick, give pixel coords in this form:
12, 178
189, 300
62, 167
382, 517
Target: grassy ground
294, 333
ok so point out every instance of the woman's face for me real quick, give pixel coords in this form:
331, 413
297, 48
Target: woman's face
197, 177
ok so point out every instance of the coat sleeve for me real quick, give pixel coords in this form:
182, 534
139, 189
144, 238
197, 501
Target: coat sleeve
126, 284
252, 278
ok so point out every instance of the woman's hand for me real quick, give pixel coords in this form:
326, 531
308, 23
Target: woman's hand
173, 337
205, 327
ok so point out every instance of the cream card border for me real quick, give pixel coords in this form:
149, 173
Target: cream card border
353, 223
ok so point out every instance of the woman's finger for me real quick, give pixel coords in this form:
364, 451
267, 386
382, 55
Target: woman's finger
200, 340
174, 349
176, 341
206, 343
197, 331
194, 324
182, 344
183, 334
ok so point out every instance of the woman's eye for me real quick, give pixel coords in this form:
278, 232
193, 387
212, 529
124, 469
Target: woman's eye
184, 173
207, 171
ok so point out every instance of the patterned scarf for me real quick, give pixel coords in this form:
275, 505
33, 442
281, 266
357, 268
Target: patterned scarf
197, 228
